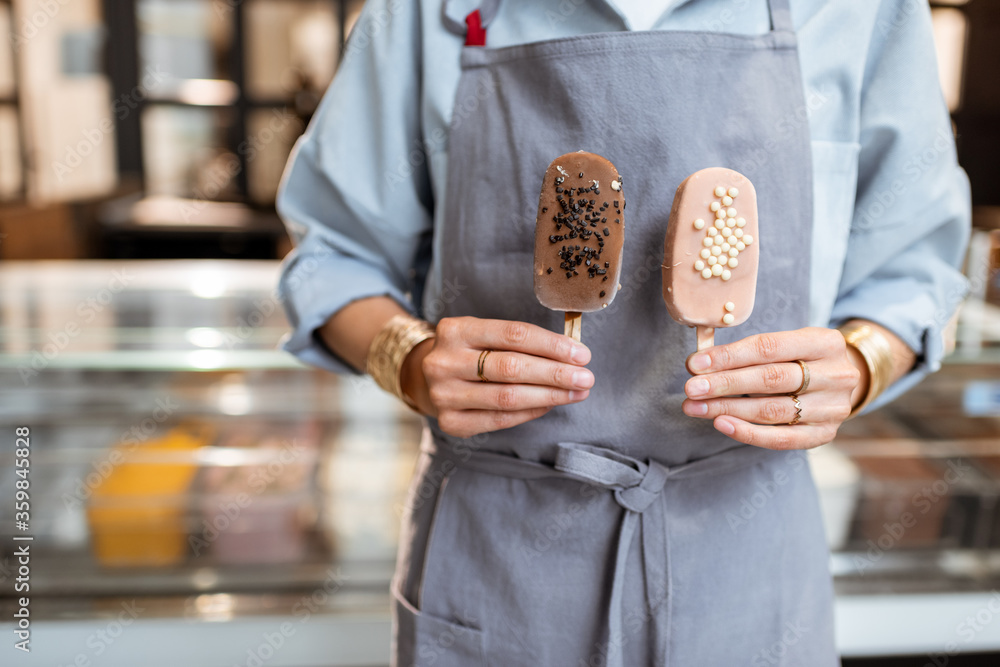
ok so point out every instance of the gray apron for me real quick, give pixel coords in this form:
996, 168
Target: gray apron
618, 531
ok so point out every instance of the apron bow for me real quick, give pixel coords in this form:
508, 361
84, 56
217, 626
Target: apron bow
636, 484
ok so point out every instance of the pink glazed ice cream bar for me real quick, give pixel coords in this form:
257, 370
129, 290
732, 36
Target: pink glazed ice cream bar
711, 252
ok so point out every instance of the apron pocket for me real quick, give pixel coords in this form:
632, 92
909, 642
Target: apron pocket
431, 639
422, 639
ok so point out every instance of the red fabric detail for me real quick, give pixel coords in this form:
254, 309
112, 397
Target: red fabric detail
476, 34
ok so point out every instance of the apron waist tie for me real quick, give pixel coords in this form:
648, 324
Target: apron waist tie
636, 486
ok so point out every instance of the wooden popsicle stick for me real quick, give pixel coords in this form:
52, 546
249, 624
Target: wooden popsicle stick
573, 325
706, 337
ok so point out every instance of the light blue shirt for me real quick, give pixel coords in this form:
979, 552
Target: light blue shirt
892, 207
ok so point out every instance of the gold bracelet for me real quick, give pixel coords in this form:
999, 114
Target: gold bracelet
389, 349
877, 353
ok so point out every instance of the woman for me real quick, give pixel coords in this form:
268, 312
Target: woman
618, 501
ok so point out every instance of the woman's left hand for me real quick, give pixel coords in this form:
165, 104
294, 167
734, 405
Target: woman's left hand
764, 367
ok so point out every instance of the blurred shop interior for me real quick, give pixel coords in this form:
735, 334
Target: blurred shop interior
185, 466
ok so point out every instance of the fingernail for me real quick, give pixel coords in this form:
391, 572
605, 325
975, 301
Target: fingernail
583, 379
700, 362
697, 387
579, 354
697, 408
577, 395
724, 426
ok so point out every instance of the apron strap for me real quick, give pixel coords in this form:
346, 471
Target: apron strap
473, 27
781, 16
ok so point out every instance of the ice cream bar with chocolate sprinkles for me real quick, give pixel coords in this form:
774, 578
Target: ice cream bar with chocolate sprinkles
711, 252
579, 236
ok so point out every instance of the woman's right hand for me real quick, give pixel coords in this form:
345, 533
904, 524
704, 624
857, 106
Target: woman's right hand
529, 370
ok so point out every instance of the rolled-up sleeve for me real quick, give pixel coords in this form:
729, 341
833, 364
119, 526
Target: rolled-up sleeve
353, 198
912, 216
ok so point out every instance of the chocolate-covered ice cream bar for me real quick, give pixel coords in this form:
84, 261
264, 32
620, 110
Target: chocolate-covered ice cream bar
579, 236
711, 252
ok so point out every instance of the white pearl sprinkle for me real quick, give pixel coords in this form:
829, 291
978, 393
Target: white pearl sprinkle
720, 224
737, 232
733, 262
699, 265
705, 253
715, 206
717, 240
725, 247
726, 274
712, 231
747, 239
741, 222
712, 261
717, 270
616, 186
741, 246
727, 201
730, 306
720, 191
699, 224
721, 213
716, 250
731, 213
733, 252
733, 192
707, 241
731, 240
706, 274
728, 318
730, 223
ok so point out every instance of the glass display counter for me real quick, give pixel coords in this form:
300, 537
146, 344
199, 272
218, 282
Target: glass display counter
195, 484
181, 464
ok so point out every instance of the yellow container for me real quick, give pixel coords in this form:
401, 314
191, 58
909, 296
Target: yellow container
137, 515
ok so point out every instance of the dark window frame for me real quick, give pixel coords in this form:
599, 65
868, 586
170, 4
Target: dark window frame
14, 100
122, 68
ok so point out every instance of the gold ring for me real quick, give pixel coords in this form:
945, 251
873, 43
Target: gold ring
798, 410
805, 377
482, 365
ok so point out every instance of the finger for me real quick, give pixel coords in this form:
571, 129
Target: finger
767, 379
809, 344
514, 367
467, 423
506, 397
800, 436
523, 337
765, 410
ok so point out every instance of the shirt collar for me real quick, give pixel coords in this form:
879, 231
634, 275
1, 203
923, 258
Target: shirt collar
668, 6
